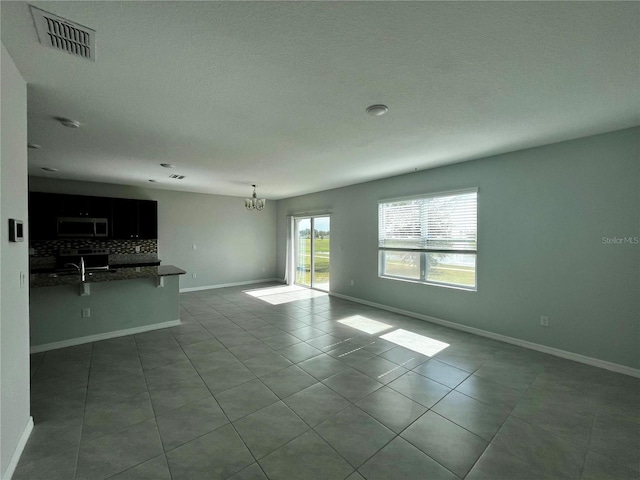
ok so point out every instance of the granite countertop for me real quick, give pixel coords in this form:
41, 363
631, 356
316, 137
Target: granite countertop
127, 273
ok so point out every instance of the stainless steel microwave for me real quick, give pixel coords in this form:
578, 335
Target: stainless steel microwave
82, 227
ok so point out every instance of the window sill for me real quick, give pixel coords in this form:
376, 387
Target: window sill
432, 284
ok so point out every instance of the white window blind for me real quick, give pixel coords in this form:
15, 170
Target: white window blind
443, 222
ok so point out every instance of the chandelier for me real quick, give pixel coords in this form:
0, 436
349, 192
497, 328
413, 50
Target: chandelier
254, 203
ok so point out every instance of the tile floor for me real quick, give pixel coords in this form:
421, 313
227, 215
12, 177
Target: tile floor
264, 382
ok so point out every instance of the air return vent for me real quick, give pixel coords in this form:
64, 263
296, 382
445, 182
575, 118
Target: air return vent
61, 34
177, 177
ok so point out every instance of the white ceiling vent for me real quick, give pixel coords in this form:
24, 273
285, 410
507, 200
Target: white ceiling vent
177, 177
61, 34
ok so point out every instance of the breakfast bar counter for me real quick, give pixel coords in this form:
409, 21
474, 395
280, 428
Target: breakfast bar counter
54, 279
66, 311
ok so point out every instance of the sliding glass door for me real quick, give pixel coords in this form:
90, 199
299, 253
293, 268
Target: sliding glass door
312, 239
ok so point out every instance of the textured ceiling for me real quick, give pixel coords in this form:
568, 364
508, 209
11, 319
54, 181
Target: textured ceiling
274, 93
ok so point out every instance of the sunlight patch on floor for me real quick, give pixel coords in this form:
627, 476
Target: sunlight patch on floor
365, 324
284, 294
416, 342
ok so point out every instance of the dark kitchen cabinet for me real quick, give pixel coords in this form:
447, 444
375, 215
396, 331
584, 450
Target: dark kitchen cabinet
127, 218
134, 219
83, 206
43, 213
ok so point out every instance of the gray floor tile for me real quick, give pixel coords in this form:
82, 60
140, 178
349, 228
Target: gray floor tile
463, 358
400, 460
64, 405
307, 457
354, 434
316, 403
281, 340
447, 443
59, 466
600, 467
266, 331
391, 409
250, 350
103, 418
168, 374
325, 342
299, 352
228, 377
471, 414
380, 369
307, 333
245, 399
498, 465
404, 357
269, 428
113, 453
114, 390
288, 381
616, 436
234, 339
159, 358
212, 361
218, 454
154, 469
550, 454
190, 421
252, 472
420, 389
114, 370
352, 384
565, 404
52, 436
560, 413
177, 394
45, 386
266, 363
323, 366
355, 476
442, 373
491, 393
505, 373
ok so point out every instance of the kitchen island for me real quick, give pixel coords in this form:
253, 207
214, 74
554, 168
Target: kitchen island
66, 311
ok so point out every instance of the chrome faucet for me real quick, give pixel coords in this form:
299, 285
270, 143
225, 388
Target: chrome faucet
81, 269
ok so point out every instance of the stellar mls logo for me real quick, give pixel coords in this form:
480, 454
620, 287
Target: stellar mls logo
620, 240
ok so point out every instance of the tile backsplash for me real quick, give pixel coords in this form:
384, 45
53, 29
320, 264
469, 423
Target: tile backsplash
50, 248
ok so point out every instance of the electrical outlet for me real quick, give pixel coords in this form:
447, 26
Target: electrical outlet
544, 321
194, 247
137, 248
86, 312
352, 283
194, 275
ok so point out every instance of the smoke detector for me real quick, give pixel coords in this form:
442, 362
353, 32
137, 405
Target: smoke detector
62, 34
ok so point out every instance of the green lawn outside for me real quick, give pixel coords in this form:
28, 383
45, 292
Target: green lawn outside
322, 249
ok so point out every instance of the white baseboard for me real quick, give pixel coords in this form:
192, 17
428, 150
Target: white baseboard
576, 357
17, 453
103, 336
224, 285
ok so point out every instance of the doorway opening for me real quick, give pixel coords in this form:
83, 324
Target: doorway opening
312, 243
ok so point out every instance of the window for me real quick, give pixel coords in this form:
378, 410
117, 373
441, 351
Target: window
430, 239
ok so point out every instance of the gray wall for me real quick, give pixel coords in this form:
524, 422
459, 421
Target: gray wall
14, 311
55, 313
233, 244
542, 216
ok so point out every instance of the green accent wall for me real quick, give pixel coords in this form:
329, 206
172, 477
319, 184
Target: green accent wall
544, 217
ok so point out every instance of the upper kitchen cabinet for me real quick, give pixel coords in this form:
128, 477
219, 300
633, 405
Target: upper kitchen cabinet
83, 206
43, 213
135, 219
